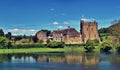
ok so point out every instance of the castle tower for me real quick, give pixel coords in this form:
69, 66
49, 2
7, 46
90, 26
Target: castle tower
89, 30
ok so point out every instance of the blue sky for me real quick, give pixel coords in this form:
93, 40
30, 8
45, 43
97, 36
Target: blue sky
29, 16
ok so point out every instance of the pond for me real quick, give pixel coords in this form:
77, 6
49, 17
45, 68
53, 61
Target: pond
60, 61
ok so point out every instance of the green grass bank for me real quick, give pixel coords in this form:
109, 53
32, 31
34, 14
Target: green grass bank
42, 50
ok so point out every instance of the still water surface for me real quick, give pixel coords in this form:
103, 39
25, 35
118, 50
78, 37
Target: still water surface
60, 61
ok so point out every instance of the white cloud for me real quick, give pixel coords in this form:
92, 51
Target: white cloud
66, 22
22, 31
88, 19
55, 23
61, 27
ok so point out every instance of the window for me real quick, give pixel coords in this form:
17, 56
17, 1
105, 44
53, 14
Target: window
87, 29
92, 29
95, 35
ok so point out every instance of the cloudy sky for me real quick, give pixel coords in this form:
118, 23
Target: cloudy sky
29, 16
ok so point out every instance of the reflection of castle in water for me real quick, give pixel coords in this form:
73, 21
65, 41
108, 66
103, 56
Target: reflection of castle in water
83, 59
86, 60
70, 59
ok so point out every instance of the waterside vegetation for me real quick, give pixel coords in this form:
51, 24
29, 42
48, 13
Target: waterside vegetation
110, 42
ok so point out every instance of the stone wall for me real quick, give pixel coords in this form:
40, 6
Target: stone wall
68, 36
89, 30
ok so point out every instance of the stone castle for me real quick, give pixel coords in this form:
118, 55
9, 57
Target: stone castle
88, 30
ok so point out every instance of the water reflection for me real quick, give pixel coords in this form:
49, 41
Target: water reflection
86, 60
115, 60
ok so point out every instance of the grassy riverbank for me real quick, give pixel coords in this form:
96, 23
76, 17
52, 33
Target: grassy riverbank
32, 50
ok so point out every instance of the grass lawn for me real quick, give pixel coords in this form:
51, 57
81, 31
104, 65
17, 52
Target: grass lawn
30, 50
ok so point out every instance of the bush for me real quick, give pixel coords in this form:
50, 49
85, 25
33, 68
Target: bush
106, 47
4, 43
55, 44
118, 49
92, 42
90, 45
89, 48
18, 46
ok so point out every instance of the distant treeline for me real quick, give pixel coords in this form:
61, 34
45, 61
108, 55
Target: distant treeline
113, 30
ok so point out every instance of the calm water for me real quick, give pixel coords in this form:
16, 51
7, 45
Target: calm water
59, 61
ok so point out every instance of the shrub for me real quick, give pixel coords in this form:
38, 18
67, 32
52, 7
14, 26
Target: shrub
55, 44
4, 43
90, 45
106, 47
18, 46
118, 49
89, 48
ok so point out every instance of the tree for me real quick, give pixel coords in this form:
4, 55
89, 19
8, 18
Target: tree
114, 30
103, 30
35, 39
4, 43
9, 35
24, 36
106, 47
90, 45
16, 38
1, 32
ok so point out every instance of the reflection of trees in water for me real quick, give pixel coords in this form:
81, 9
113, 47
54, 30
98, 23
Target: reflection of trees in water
84, 59
24, 57
90, 59
5, 57
71, 58
115, 60
13, 57
57, 58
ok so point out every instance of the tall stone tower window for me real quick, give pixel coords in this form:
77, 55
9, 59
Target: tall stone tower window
95, 35
87, 29
92, 29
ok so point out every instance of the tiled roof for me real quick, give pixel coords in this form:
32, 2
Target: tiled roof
72, 32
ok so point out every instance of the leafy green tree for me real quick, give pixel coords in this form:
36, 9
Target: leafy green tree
114, 30
90, 45
1, 32
35, 39
24, 36
16, 38
9, 35
4, 42
106, 47
103, 30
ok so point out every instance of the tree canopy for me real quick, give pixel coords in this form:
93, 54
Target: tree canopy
114, 30
4, 42
1, 32
103, 30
